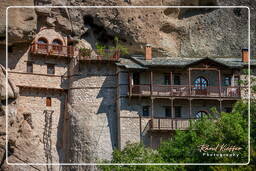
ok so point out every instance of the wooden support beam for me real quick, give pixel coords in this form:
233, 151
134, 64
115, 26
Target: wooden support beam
151, 83
172, 108
204, 69
190, 108
152, 108
219, 81
129, 83
189, 80
220, 105
171, 83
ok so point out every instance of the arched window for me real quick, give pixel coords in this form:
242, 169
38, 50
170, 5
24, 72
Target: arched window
42, 45
57, 42
200, 114
42, 40
200, 83
57, 46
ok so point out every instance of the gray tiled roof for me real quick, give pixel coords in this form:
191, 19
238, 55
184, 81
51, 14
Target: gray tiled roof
139, 62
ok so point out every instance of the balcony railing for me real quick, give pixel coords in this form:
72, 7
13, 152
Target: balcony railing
101, 55
52, 49
185, 91
168, 124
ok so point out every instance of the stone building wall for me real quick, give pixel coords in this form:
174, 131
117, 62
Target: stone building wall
92, 113
47, 126
131, 122
47, 122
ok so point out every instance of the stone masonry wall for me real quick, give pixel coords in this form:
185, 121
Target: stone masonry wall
92, 113
46, 126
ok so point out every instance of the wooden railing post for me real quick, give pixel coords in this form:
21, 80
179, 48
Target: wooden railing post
159, 123
189, 81
219, 80
129, 84
151, 83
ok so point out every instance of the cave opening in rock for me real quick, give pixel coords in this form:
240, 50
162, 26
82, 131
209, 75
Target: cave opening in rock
190, 12
96, 33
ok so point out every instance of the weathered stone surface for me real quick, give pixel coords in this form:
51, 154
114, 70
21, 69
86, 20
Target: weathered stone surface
12, 89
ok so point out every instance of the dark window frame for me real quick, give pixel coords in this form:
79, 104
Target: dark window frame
168, 111
29, 67
48, 101
51, 71
227, 80
145, 109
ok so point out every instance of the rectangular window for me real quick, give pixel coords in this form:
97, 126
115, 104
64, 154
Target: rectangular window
176, 80
236, 81
167, 80
177, 110
168, 111
30, 67
145, 111
136, 78
227, 81
48, 101
50, 69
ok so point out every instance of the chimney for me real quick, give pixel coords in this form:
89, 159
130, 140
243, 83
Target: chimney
245, 55
148, 52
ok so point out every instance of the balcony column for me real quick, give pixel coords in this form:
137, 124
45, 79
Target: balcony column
171, 83
189, 80
172, 109
220, 105
219, 81
151, 83
190, 108
152, 108
130, 83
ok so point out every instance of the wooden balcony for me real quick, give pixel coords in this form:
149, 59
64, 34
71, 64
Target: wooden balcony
101, 55
184, 91
52, 49
168, 124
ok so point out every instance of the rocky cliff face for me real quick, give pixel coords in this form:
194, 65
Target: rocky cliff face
172, 31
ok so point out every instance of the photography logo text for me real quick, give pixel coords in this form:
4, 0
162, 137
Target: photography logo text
219, 150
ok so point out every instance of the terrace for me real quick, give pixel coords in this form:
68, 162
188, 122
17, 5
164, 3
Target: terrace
99, 55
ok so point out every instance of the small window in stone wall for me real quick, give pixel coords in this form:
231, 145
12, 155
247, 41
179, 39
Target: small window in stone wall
48, 101
50, 69
30, 67
145, 111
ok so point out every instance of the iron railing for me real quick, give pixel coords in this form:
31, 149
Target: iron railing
185, 90
52, 49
